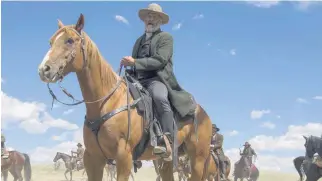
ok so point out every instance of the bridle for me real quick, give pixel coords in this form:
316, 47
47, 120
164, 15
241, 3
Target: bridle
61, 76
94, 125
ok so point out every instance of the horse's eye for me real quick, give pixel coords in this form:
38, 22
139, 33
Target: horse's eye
70, 41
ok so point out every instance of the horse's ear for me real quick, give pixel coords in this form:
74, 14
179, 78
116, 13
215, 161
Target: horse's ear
60, 24
80, 23
304, 137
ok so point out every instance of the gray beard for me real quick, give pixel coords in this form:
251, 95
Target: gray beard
151, 29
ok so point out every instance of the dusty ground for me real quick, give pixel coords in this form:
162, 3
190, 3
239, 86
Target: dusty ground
47, 173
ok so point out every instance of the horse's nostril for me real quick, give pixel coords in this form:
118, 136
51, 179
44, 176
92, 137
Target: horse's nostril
46, 68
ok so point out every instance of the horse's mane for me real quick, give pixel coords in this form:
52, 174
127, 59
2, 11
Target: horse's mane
94, 57
64, 154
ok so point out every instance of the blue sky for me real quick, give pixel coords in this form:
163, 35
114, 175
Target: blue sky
234, 57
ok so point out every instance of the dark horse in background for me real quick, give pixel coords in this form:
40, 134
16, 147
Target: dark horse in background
14, 164
313, 144
241, 171
300, 168
70, 163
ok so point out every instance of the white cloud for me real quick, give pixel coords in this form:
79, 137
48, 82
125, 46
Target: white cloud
233, 133
121, 19
257, 114
68, 111
177, 26
198, 16
46, 154
61, 137
232, 52
302, 100
317, 97
263, 4
291, 140
268, 124
305, 5
31, 116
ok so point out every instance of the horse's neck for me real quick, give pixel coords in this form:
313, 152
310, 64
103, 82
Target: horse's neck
65, 158
319, 146
96, 81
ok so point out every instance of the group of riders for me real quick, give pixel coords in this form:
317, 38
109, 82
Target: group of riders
216, 149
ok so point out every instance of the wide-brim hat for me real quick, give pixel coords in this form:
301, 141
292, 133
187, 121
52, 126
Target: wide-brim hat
246, 144
79, 144
215, 126
154, 8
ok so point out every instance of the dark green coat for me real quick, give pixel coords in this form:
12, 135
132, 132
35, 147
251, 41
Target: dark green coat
161, 62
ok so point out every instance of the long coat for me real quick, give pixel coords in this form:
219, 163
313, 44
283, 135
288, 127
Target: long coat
217, 140
161, 52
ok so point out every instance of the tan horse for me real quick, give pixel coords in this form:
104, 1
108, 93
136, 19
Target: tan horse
214, 172
104, 91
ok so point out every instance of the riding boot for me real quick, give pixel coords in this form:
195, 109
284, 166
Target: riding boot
165, 141
223, 170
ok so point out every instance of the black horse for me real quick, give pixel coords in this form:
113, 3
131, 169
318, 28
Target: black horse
241, 171
300, 168
313, 144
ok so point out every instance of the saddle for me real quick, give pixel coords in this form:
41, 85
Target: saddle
146, 109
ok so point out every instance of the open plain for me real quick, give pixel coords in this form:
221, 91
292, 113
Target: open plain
47, 173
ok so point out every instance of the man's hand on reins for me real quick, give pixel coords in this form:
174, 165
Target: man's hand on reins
127, 61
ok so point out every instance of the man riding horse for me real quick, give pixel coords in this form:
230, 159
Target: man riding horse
248, 154
80, 153
216, 145
4, 153
152, 65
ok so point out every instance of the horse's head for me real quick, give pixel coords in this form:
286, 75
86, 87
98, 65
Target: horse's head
67, 52
57, 157
310, 149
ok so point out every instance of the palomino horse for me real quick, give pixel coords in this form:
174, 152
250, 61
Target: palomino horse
70, 163
214, 172
14, 164
241, 172
111, 132
313, 145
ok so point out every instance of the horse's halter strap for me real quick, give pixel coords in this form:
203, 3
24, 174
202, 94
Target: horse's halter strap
60, 74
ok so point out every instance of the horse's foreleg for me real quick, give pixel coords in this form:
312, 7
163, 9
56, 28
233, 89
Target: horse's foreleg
5, 175
166, 170
123, 161
67, 170
94, 166
132, 176
71, 175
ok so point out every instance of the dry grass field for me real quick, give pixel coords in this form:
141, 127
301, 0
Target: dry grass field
47, 173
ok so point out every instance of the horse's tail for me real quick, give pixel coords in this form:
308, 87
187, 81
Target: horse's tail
298, 163
27, 167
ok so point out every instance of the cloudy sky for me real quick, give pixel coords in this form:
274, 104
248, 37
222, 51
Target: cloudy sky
254, 67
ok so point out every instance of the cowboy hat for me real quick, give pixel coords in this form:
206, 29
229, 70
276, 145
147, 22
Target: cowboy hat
79, 144
154, 8
246, 144
215, 126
